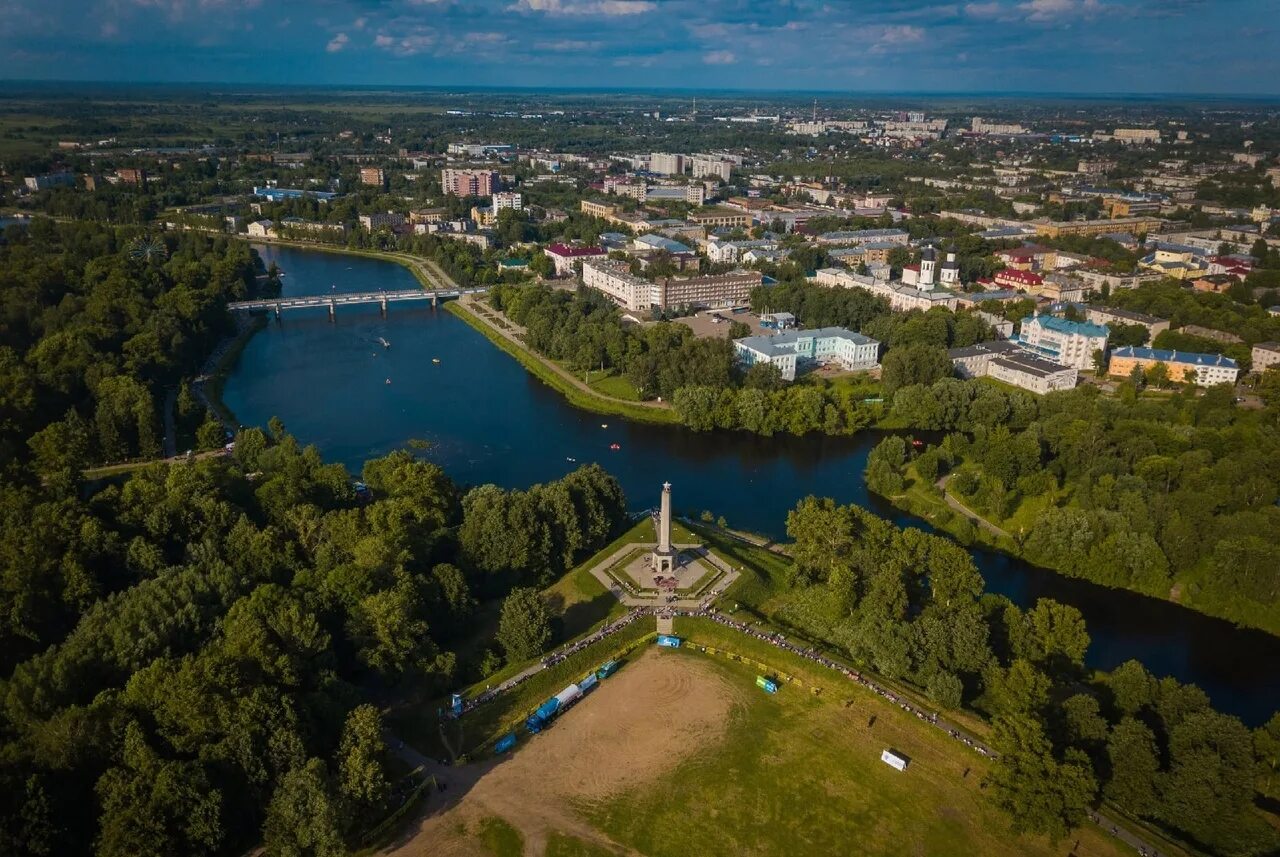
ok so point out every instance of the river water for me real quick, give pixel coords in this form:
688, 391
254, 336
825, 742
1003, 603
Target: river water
334, 385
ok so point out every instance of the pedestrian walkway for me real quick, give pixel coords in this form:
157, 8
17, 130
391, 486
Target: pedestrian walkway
666, 623
659, 599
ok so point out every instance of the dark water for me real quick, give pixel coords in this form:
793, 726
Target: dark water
490, 421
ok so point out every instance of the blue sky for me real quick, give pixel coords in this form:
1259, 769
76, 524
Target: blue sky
1192, 46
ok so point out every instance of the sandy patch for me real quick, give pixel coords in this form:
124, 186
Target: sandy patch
634, 727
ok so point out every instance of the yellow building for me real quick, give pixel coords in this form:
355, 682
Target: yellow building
1132, 225
720, 218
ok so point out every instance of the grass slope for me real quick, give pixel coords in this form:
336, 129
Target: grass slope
799, 773
576, 396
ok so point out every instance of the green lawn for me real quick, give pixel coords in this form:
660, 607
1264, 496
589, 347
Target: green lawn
799, 773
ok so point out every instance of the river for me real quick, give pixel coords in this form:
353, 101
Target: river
334, 385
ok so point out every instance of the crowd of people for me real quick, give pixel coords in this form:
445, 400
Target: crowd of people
549, 660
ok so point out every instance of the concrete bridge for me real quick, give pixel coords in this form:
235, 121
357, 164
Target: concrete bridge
337, 299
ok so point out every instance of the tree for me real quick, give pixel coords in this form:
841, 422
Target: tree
1135, 765
1158, 375
524, 629
1041, 794
1099, 362
303, 818
362, 776
913, 364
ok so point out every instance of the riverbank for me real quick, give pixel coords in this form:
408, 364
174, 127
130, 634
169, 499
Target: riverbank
946, 513
576, 392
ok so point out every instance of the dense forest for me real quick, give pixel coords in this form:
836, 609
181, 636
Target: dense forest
1173, 495
191, 656
95, 324
911, 605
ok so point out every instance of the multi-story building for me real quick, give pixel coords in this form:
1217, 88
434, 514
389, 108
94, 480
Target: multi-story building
1132, 225
513, 201
427, 215
1096, 166
564, 257
1067, 343
1265, 355
469, 182
1131, 136
707, 166
1032, 373
981, 126
296, 227
1112, 316
791, 350
723, 290
720, 218
262, 229
666, 164
1013, 278
373, 177
377, 220
280, 194
731, 251
616, 281
1223, 336
1203, 370
972, 361
852, 238
50, 180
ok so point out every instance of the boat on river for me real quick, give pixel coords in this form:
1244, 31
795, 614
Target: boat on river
384, 342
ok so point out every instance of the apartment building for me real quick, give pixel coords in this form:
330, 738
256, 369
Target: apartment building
616, 281
720, 218
666, 164
469, 182
1203, 370
972, 361
1265, 355
564, 257
373, 177
1112, 316
1132, 225
706, 166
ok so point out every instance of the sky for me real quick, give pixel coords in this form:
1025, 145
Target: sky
1227, 47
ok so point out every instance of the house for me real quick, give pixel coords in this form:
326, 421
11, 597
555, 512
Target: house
794, 349
1203, 370
1067, 343
563, 256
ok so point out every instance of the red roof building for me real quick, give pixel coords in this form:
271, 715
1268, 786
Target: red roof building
1012, 278
564, 255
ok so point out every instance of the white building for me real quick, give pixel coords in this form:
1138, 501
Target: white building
262, 229
707, 166
794, 349
1031, 373
1265, 355
616, 280
666, 164
972, 361
513, 201
732, 251
1067, 343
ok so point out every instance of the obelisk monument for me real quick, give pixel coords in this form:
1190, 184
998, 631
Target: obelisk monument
664, 556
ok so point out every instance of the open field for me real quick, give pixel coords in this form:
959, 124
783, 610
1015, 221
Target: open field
679, 754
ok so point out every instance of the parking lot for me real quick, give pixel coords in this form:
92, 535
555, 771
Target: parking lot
704, 325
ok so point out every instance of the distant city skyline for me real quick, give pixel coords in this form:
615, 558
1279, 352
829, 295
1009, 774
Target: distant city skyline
1032, 46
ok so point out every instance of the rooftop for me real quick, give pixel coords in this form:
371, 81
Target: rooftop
1062, 325
775, 345
1166, 356
1029, 363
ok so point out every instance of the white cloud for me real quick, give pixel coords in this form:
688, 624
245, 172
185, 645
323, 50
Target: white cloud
418, 41
337, 43
605, 8
359, 23
984, 10
1041, 11
719, 58
568, 46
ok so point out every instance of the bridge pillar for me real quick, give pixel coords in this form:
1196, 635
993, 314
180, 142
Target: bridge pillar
333, 310
277, 312
384, 305
434, 298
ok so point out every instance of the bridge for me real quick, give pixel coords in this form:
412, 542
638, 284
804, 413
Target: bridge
337, 299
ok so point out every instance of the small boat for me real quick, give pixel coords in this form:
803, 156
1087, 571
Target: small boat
384, 342
604, 425
917, 443
388, 380
615, 446
435, 359
571, 460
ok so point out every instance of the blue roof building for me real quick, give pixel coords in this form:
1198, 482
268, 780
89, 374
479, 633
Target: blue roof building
280, 194
1207, 369
1067, 343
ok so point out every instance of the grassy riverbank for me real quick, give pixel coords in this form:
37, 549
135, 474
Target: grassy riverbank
575, 395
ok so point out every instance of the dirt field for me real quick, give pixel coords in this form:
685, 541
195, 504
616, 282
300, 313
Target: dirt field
634, 727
